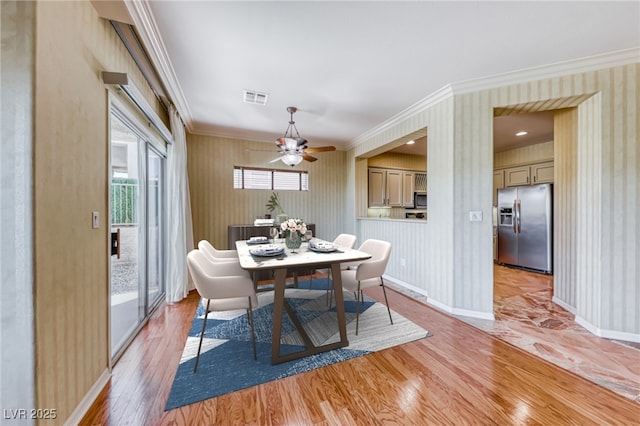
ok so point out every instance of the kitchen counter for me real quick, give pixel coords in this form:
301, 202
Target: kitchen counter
392, 219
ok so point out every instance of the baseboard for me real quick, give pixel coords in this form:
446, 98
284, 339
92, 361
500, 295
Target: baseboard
83, 407
406, 285
462, 312
564, 305
608, 334
441, 306
474, 314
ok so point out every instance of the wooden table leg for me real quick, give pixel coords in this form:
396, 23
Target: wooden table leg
337, 291
278, 304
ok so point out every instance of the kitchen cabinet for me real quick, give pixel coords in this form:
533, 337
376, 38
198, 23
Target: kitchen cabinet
377, 187
516, 176
408, 185
542, 173
498, 182
526, 175
385, 188
420, 182
394, 188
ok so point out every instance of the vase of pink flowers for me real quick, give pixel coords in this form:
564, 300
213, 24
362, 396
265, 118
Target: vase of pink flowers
293, 230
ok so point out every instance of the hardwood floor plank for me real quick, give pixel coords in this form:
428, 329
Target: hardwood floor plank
458, 376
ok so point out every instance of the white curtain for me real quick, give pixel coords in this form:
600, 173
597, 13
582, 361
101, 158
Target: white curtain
180, 229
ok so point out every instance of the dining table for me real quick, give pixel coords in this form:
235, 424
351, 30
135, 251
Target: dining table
303, 258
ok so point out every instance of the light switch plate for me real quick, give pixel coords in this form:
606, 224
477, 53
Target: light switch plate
95, 219
475, 216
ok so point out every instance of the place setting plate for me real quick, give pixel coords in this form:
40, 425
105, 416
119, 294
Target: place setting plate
257, 240
267, 250
322, 247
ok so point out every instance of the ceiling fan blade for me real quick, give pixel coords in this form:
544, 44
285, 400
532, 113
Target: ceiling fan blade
321, 149
308, 157
275, 159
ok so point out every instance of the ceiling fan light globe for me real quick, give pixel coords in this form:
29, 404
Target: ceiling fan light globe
291, 159
291, 144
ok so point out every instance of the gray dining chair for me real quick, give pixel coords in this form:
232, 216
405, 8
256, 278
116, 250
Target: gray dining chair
368, 273
221, 291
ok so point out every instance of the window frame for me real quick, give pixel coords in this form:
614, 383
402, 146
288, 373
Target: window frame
303, 179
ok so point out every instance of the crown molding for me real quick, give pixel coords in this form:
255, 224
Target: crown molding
590, 63
420, 106
246, 135
145, 24
543, 72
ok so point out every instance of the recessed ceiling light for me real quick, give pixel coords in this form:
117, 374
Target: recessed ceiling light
411, 142
521, 133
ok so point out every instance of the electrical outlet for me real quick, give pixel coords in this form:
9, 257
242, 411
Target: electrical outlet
403, 262
95, 219
475, 216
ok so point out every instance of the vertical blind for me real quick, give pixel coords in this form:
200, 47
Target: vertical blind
270, 179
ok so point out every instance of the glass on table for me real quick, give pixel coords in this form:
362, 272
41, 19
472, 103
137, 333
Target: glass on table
308, 235
274, 234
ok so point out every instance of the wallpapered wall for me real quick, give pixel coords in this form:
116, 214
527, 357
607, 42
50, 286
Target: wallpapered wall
460, 163
215, 204
71, 148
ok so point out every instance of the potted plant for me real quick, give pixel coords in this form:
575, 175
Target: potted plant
274, 205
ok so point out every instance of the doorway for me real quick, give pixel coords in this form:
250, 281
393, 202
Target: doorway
137, 230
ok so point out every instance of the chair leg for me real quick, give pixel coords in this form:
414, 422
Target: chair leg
329, 288
359, 299
253, 331
204, 324
386, 301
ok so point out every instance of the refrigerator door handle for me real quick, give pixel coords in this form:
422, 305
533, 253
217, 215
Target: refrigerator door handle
518, 216
515, 217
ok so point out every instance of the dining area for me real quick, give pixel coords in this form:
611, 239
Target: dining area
228, 280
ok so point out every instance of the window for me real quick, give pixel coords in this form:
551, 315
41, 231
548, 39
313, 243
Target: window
270, 179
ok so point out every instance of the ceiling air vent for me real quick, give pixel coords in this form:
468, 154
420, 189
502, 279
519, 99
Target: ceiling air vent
253, 97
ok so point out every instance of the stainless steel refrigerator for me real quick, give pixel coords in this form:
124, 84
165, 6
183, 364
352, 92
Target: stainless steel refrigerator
525, 232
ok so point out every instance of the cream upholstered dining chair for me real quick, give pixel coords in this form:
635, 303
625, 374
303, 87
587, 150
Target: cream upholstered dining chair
221, 290
231, 259
368, 273
342, 240
210, 250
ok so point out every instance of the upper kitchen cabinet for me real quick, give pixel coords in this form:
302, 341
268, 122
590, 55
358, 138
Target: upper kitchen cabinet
408, 187
498, 183
392, 172
516, 176
542, 173
385, 188
377, 187
420, 182
527, 175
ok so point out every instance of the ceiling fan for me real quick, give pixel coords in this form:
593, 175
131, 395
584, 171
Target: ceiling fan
293, 149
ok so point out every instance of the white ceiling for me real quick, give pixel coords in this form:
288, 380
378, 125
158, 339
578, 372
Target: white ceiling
349, 66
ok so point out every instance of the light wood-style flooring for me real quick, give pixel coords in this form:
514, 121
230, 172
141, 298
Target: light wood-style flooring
459, 376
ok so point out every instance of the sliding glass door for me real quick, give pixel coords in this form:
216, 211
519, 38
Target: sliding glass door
155, 225
137, 229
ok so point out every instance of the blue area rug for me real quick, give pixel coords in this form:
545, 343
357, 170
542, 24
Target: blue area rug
226, 359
